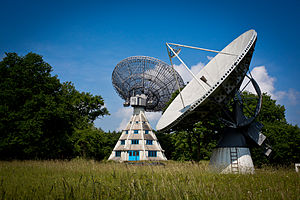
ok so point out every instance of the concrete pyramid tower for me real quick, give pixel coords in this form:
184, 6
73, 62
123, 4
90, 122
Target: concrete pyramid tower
137, 142
146, 84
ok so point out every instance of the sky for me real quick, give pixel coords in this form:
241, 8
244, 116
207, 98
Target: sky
84, 40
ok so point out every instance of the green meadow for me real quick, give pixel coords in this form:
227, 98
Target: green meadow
88, 179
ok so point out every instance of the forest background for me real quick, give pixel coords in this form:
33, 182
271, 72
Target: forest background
42, 118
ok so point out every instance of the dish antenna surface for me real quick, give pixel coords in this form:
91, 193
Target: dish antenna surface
146, 75
209, 92
146, 84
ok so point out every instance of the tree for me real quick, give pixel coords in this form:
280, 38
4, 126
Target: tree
38, 114
283, 137
94, 143
190, 143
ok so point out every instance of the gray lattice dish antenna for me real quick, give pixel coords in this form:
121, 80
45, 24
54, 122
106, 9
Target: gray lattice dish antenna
209, 92
139, 75
146, 84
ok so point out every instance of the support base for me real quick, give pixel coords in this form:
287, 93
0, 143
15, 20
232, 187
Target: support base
231, 160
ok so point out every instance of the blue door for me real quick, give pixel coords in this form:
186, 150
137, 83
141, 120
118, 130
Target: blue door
134, 155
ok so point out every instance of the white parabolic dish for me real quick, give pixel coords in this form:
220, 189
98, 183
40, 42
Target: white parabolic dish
224, 75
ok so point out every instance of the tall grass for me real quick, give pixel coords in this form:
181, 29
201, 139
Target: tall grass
81, 179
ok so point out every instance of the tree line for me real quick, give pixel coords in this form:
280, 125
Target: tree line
42, 118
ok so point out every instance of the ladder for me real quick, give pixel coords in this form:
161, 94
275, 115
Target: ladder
234, 160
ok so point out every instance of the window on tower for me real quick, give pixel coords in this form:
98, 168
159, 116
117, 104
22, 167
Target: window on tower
118, 153
149, 142
126, 131
152, 154
146, 131
136, 131
134, 141
122, 142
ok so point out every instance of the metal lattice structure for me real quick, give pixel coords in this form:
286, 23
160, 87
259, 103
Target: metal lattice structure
146, 75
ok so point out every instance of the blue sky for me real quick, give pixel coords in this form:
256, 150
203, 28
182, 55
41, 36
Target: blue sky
84, 40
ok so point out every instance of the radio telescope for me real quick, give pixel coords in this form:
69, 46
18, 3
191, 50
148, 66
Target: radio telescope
146, 84
210, 91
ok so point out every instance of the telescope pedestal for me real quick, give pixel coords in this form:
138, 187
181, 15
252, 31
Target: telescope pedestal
232, 154
231, 160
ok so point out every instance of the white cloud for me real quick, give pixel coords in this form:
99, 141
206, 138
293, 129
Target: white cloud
266, 84
153, 116
185, 74
293, 96
125, 113
123, 124
209, 57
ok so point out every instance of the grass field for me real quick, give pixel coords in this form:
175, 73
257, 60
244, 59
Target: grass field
81, 179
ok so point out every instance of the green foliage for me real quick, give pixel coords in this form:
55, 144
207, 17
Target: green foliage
94, 143
283, 137
271, 112
38, 114
195, 143
190, 142
87, 179
285, 140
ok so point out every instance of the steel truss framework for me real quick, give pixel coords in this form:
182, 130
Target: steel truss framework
146, 75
